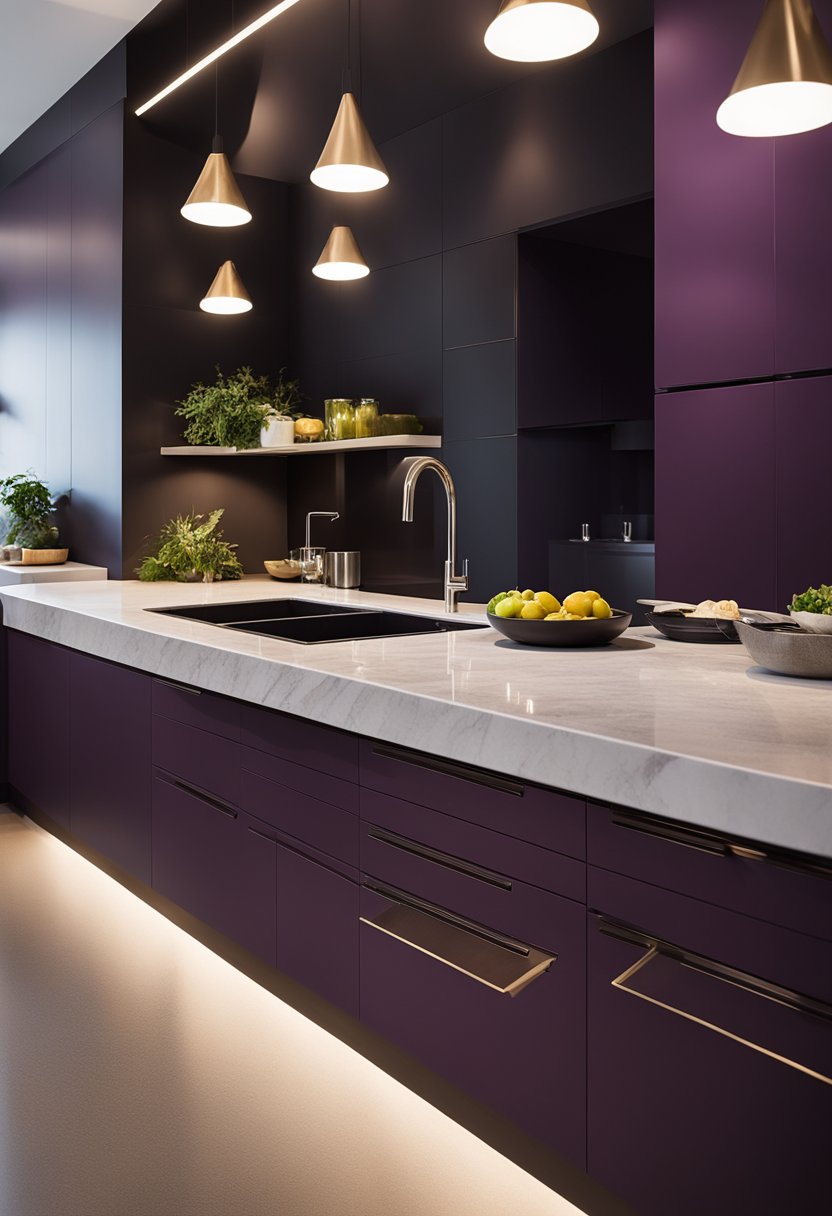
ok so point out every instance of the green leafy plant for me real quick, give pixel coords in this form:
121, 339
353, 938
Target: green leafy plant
815, 599
187, 546
286, 398
228, 413
29, 505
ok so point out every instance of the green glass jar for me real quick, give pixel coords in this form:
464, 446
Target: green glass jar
339, 416
366, 418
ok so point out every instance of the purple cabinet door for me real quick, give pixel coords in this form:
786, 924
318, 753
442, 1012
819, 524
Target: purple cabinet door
804, 441
38, 709
715, 285
683, 1118
207, 860
110, 770
715, 497
317, 927
521, 1055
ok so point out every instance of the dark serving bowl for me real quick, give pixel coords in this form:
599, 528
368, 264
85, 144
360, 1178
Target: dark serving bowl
682, 628
562, 633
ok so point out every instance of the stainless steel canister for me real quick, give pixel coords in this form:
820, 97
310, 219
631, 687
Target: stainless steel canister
343, 569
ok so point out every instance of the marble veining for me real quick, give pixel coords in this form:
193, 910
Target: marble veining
696, 733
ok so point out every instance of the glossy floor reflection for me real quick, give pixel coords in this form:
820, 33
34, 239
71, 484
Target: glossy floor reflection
140, 1075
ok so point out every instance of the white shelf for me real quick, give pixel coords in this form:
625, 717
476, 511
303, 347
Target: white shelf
388, 442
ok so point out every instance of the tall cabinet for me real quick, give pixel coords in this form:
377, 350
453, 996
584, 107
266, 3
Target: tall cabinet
743, 326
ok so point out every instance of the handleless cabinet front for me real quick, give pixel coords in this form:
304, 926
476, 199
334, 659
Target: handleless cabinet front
207, 859
38, 725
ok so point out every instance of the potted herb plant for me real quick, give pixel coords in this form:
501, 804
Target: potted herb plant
228, 413
278, 426
192, 547
30, 537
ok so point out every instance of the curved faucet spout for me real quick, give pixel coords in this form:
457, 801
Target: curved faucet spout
454, 583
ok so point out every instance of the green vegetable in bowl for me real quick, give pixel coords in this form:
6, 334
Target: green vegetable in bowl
816, 599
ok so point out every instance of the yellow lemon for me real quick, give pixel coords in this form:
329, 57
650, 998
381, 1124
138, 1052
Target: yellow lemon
508, 607
593, 595
532, 611
601, 610
309, 429
552, 616
578, 603
550, 602
528, 594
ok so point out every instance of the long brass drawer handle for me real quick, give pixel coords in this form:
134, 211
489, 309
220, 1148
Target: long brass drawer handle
476, 955
438, 857
450, 768
658, 949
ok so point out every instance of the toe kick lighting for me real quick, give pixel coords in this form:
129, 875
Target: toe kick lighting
534, 31
785, 83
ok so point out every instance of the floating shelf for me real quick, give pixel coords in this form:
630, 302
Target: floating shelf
383, 442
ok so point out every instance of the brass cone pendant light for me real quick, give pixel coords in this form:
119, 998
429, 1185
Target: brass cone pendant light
341, 258
534, 31
350, 162
216, 199
226, 295
785, 83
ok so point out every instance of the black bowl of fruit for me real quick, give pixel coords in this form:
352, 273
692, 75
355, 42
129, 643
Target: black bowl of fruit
538, 618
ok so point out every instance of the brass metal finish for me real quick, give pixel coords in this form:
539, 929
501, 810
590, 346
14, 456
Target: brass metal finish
227, 293
350, 162
341, 257
216, 199
788, 49
478, 957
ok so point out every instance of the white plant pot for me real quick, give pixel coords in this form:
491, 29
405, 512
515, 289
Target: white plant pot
277, 432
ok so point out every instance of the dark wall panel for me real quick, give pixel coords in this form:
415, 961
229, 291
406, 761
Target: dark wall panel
479, 285
485, 474
480, 390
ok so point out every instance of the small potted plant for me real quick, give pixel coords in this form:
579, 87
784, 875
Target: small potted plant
191, 548
278, 426
228, 413
31, 537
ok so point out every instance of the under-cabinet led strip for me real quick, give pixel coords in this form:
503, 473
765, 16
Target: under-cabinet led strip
214, 55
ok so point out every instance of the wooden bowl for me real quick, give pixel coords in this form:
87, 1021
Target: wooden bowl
285, 568
43, 557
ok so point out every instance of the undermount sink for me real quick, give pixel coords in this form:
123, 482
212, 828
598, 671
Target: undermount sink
309, 623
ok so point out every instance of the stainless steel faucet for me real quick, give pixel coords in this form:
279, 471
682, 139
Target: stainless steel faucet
454, 583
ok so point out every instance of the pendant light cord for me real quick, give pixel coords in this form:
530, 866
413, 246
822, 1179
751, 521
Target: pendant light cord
346, 75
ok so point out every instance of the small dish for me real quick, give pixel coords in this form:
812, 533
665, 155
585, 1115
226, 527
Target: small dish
813, 622
558, 634
681, 627
285, 568
789, 652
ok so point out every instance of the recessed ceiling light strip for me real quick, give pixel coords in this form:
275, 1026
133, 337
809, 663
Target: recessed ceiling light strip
214, 55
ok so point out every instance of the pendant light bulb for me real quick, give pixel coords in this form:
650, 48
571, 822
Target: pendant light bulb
226, 295
534, 31
350, 162
785, 83
216, 199
341, 258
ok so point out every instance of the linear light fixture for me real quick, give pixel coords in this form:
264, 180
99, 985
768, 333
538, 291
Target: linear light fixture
214, 55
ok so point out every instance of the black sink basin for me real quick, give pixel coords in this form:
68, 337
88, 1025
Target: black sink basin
309, 622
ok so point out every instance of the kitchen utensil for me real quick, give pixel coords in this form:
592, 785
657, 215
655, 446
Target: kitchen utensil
311, 562
343, 568
284, 568
789, 652
557, 634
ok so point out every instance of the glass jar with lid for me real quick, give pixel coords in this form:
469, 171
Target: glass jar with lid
339, 416
366, 418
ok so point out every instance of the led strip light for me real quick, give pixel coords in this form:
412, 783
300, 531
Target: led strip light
214, 55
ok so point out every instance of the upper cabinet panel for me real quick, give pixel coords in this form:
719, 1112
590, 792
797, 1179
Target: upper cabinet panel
479, 285
570, 138
715, 280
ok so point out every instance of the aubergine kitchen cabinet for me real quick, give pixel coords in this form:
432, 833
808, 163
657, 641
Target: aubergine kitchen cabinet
38, 726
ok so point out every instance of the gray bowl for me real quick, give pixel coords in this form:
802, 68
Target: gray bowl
808, 655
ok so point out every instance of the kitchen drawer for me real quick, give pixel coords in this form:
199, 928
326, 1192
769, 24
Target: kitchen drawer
425, 986
317, 927
309, 781
326, 827
210, 762
709, 1056
453, 861
208, 858
753, 879
527, 812
300, 741
194, 707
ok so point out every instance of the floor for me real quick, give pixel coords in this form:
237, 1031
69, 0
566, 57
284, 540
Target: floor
141, 1075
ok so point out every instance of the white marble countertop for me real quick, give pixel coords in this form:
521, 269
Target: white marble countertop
12, 574
695, 733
